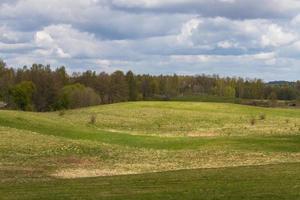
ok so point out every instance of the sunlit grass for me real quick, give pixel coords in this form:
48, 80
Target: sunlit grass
143, 137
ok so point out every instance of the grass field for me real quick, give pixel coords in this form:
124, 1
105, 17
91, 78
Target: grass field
151, 150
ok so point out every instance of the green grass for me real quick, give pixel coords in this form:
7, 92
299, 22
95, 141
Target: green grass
61, 128
261, 182
38, 151
205, 98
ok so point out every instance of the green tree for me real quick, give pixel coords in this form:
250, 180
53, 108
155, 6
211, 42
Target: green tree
173, 85
273, 98
102, 86
48, 85
132, 86
118, 87
22, 95
7, 79
2, 65
162, 85
229, 92
76, 96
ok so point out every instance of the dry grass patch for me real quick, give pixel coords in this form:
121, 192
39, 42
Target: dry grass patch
179, 160
84, 173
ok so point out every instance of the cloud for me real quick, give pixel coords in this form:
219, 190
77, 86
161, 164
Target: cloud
64, 41
212, 8
226, 33
227, 44
275, 36
296, 20
227, 37
89, 15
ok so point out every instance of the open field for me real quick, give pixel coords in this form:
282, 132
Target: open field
263, 182
222, 151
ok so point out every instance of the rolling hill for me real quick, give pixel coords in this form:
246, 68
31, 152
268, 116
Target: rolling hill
151, 150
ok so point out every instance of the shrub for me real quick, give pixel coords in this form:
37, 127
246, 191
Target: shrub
262, 116
93, 119
273, 99
77, 95
253, 121
61, 113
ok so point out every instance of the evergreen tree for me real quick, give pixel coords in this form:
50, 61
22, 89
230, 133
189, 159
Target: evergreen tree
118, 87
132, 86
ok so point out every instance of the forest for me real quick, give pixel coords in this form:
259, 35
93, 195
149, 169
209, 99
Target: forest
40, 88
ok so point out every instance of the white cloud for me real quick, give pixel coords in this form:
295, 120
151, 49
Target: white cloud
193, 58
229, 37
188, 30
227, 44
42, 38
64, 41
275, 36
263, 56
296, 20
226, 33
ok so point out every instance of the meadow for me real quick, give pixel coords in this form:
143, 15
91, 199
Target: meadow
151, 150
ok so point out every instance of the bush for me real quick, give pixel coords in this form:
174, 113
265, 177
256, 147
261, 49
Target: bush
93, 119
253, 121
262, 116
273, 99
76, 96
61, 113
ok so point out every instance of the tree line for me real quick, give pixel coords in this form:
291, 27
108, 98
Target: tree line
39, 88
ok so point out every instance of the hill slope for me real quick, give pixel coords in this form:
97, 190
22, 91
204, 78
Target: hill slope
144, 137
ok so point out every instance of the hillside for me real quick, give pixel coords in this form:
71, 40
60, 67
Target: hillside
53, 152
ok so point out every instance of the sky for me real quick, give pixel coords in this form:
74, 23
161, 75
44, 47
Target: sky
247, 38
